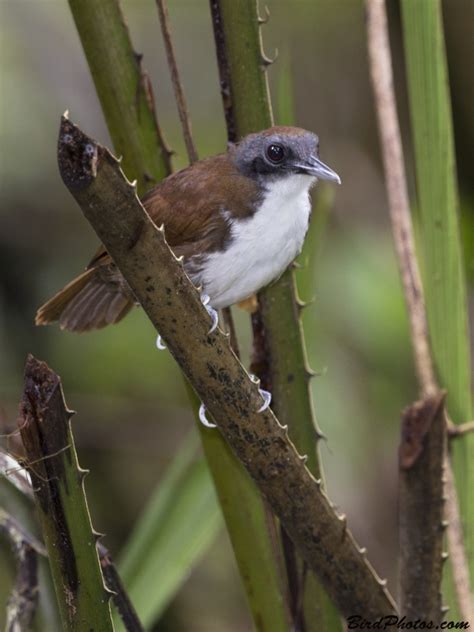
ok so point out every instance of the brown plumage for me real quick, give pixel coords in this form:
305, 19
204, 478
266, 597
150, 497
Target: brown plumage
186, 203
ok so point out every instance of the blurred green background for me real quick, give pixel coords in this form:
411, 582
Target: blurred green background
131, 403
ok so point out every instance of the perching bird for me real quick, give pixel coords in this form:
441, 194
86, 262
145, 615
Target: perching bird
238, 219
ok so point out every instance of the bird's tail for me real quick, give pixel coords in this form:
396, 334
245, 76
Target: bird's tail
86, 303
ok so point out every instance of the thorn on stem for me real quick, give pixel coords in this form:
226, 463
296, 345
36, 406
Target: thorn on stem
268, 61
267, 16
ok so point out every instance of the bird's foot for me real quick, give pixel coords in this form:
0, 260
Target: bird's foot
211, 311
267, 398
160, 344
203, 419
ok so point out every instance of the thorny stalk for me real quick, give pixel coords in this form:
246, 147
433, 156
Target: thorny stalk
171, 302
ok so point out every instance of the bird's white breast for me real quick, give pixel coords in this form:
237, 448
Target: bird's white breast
262, 246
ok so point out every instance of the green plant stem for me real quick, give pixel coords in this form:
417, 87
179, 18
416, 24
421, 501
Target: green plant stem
439, 240
279, 349
173, 304
253, 535
57, 481
124, 90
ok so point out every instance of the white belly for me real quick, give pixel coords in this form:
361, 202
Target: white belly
262, 246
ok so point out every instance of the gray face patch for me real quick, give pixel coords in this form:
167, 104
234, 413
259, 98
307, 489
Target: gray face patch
276, 155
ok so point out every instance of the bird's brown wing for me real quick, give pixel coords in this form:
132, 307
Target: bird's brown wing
194, 205
190, 205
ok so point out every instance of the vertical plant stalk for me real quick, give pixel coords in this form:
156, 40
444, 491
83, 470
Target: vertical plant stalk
23, 599
399, 204
439, 230
124, 91
175, 80
58, 484
102, 29
252, 533
421, 491
279, 357
441, 254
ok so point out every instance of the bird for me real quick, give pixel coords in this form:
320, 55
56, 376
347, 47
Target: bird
237, 219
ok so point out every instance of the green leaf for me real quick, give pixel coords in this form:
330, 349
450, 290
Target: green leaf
177, 526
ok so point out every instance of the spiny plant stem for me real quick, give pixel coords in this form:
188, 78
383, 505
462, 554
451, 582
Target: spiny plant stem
160, 284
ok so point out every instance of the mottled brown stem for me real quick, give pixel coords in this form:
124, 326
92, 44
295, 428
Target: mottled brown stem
421, 503
173, 304
23, 599
176, 81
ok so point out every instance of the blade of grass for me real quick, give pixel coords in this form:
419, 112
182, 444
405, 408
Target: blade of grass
439, 237
178, 525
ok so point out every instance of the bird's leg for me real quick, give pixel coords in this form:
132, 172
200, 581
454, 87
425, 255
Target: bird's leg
211, 311
266, 395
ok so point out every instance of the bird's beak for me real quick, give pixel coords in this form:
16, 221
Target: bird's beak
315, 167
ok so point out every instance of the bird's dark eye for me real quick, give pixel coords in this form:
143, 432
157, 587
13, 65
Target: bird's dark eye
275, 153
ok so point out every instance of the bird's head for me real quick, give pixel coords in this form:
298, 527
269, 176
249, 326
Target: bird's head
279, 152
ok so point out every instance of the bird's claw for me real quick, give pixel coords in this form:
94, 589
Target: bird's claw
211, 311
267, 398
160, 344
203, 419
